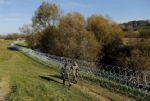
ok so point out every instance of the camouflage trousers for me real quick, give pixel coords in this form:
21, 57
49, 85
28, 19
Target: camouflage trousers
75, 77
66, 77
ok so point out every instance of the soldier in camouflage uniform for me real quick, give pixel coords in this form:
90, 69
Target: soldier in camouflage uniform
65, 73
75, 71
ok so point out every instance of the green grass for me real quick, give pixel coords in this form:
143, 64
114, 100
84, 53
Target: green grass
23, 44
30, 81
26, 83
139, 95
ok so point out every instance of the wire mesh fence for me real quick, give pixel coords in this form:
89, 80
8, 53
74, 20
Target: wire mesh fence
129, 77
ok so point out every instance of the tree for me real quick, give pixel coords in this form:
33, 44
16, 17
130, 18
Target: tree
104, 29
47, 41
109, 35
33, 40
12, 36
74, 40
26, 29
46, 15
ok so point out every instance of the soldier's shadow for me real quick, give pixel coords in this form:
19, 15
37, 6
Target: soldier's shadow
55, 76
51, 78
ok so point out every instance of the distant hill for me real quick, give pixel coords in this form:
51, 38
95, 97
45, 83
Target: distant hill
134, 24
134, 29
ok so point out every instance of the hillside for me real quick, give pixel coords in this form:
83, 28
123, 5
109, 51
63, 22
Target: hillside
23, 79
134, 24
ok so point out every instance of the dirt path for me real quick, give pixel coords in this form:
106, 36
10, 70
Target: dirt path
89, 91
102, 94
4, 88
83, 89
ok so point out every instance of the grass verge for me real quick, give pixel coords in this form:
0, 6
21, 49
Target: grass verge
117, 87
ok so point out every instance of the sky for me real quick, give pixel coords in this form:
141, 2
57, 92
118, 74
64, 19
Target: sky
16, 13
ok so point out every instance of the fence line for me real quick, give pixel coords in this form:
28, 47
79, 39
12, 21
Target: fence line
138, 79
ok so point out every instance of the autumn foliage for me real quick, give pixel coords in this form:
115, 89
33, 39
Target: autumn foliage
96, 38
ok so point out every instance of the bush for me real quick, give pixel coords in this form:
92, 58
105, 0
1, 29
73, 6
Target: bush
137, 61
145, 32
47, 42
12, 36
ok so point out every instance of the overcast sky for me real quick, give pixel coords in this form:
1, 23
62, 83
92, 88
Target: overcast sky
15, 13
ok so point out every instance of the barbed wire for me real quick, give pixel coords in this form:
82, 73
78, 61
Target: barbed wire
133, 78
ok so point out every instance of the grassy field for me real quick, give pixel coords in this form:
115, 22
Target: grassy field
22, 79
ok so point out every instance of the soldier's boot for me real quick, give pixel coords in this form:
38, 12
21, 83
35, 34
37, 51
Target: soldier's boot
61, 76
75, 80
69, 85
69, 82
63, 80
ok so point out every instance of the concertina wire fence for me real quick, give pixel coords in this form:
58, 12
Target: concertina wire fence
137, 79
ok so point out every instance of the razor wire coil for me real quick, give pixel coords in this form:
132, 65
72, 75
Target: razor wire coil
139, 78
